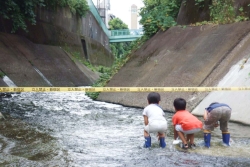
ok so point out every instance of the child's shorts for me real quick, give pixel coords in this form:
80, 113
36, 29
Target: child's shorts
221, 114
159, 126
192, 131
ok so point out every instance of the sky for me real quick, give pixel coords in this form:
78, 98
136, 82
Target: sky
121, 9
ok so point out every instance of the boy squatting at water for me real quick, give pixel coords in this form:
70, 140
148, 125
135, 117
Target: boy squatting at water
154, 120
185, 123
213, 113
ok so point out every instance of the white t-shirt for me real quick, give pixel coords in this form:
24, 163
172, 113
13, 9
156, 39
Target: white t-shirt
154, 112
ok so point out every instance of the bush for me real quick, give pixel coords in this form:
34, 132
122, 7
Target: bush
222, 11
158, 15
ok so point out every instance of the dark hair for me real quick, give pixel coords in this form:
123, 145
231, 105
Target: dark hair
180, 104
154, 98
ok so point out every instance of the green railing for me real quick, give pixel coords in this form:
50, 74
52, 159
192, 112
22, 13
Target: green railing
97, 16
125, 32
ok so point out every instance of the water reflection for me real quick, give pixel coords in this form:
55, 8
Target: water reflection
69, 129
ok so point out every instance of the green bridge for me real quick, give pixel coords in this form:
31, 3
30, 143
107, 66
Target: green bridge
124, 35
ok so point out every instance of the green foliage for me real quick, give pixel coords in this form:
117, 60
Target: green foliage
117, 24
158, 15
1, 74
121, 51
76, 6
135, 45
118, 49
21, 11
223, 12
241, 16
107, 74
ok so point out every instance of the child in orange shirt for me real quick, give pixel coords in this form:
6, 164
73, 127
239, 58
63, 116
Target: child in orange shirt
185, 123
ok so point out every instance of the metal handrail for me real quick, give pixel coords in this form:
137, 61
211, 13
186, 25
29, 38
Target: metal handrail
124, 32
96, 14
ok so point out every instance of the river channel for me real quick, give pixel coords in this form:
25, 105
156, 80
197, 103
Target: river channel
69, 129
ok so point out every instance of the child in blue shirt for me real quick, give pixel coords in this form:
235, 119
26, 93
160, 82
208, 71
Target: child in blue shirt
214, 113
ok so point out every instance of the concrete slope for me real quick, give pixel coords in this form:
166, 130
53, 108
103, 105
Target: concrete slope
192, 56
2, 83
22, 61
16, 66
238, 76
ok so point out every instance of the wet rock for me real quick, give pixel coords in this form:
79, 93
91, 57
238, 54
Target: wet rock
5, 95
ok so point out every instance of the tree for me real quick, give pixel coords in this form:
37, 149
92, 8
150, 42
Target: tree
118, 49
158, 15
117, 24
19, 11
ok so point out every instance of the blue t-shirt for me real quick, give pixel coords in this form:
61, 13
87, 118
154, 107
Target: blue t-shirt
216, 105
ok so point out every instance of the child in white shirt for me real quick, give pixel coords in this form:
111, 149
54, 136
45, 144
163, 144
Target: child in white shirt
154, 120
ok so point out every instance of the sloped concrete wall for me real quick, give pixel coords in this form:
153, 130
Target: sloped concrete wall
86, 26
192, 56
238, 76
19, 57
59, 27
2, 83
41, 47
237, 100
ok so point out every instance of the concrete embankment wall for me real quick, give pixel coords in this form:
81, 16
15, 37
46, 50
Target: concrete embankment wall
82, 34
20, 59
188, 57
2, 83
37, 57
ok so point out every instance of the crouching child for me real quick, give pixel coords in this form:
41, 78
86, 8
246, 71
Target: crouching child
185, 124
154, 120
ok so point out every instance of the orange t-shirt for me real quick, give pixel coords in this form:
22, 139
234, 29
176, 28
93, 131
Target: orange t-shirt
187, 120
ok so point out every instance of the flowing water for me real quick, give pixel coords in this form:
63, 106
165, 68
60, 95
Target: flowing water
69, 129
